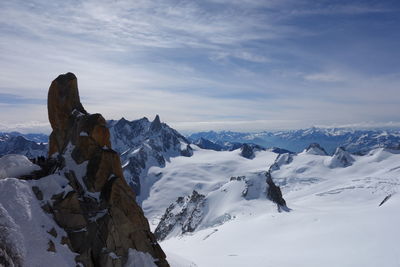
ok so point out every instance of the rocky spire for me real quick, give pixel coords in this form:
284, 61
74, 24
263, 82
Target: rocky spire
99, 213
156, 124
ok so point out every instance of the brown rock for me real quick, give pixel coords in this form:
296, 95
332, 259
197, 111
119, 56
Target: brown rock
100, 215
68, 213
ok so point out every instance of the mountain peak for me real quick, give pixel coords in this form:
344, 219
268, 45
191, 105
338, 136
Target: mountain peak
156, 124
316, 149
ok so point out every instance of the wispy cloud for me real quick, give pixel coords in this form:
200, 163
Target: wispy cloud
235, 64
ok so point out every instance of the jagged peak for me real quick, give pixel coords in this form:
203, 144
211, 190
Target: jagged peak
341, 158
156, 124
316, 149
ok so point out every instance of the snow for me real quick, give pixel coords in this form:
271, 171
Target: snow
178, 261
139, 259
24, 227
335, 217
52, 185
13, 165
205, 171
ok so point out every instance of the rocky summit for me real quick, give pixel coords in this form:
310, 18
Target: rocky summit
98, 209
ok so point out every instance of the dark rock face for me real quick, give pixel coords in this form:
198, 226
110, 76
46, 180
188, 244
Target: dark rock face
99, 214
274, 193
248, 150
185, 214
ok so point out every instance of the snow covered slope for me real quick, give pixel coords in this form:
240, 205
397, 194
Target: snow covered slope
28, 236
338, 216
210, 173
15, 165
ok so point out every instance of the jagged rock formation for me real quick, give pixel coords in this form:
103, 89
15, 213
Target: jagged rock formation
341, 158
143, 144
282, 159
316, 149
274, 193
183, 216
98, 212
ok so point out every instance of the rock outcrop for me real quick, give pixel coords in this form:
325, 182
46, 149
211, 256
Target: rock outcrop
99, 213
248, 150
183, 216
274, 193
316, 149
282, 159
341, 158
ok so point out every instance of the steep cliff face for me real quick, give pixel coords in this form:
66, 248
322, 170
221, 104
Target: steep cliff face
98, 211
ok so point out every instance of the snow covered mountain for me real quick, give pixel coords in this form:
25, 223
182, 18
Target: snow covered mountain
296, 140
16, 143
341, 208
143, 144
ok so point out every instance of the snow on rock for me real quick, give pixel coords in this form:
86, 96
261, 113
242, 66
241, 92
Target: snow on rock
16, 165
196, 211
139, 259
182, 216
341, 158
315, 149
282, 159
25, 229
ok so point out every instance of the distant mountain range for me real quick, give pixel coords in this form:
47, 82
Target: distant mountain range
355, 141
30, 145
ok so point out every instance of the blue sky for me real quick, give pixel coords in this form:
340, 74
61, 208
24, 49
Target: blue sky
240, 65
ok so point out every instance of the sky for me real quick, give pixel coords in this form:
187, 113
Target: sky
242, 65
